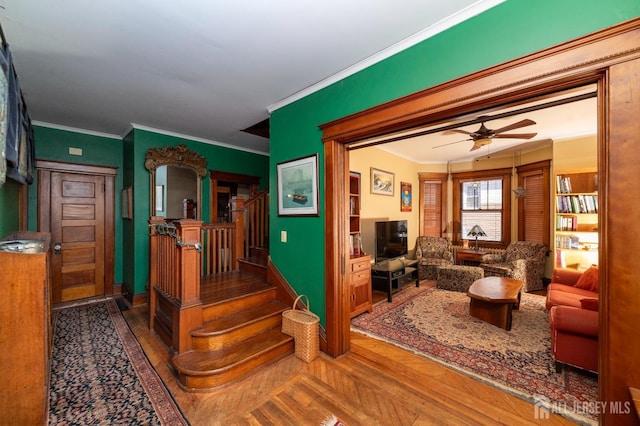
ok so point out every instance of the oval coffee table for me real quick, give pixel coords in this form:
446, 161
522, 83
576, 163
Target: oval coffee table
493, 298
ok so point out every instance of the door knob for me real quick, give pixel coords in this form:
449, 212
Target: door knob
57, 247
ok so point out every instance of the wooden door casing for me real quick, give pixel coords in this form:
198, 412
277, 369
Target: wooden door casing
611, 59
76, 204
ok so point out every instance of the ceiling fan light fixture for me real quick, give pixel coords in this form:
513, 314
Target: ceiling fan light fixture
479, 143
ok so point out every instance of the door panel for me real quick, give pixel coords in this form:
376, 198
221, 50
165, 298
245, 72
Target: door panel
77, 223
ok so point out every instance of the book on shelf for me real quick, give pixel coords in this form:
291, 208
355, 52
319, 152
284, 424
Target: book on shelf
583, 203
355, 245
566, 223
563, 184
567, 241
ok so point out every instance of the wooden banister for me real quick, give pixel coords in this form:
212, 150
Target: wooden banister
256, 220
223, 245
174, 279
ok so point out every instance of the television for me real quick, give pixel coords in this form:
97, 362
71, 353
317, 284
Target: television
391, 239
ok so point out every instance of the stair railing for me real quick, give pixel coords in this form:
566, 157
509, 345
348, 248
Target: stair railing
222, 246
256, 222
174, 277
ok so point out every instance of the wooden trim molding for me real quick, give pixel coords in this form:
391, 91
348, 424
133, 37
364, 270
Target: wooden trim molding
45, 167
611, 59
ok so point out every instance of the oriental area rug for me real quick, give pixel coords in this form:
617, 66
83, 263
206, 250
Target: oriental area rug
100, 375
436, 324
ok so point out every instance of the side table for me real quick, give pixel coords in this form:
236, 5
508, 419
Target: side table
469, 257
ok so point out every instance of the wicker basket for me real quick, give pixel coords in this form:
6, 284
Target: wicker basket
303, 325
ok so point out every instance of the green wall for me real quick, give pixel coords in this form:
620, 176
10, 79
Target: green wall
510, 30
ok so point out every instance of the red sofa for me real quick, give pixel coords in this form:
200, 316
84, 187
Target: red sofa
572, 300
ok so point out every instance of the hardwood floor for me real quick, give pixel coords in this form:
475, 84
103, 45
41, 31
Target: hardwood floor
374, 384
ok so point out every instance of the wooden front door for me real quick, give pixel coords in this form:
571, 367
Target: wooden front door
77, 235
77, 209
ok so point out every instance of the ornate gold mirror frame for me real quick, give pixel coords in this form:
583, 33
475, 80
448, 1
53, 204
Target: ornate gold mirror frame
178, 156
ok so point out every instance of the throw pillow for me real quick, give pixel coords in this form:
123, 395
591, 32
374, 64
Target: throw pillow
590, 304
589, 279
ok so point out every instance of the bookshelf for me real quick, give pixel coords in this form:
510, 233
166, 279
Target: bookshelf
360, 296
355, 236
576, 219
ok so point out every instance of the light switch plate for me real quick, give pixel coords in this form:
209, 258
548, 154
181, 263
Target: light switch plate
283, 236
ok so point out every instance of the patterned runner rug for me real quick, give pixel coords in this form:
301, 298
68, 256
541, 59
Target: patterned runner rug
436, 324
100, 375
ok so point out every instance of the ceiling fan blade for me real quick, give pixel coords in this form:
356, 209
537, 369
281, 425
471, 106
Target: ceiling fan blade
516, 135
521, 123
448, 132
450, 143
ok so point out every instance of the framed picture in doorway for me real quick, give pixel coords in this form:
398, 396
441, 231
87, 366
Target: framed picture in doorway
382, 182
405, 197
298, 187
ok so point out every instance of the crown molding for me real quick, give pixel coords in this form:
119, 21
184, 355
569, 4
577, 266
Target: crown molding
75, 130
193, 138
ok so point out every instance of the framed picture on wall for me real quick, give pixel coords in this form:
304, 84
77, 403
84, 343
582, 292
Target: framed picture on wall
298, 187
405, 197
382, 182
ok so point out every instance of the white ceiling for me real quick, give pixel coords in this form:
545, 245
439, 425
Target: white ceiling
207, 69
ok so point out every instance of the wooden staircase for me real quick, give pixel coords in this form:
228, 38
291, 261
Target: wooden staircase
241, 328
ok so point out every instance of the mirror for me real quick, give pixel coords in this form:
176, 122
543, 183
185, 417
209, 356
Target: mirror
175, 182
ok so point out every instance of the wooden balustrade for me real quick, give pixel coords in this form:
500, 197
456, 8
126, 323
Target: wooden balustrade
174, 280
182, 251
256, 218
222, 246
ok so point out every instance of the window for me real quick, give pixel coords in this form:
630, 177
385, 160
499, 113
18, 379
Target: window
482, 206
433, 190
483, 198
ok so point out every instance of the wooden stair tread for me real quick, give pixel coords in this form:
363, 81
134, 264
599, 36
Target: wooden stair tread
241, 318
227, 286
198, 363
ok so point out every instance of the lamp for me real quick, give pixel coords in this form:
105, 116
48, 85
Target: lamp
476, 231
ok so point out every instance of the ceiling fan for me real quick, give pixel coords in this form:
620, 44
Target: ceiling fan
484, 136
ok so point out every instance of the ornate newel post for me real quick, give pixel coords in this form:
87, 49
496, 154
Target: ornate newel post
188, 316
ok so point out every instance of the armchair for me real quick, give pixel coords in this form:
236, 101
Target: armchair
432, 252
522, 260
574, 337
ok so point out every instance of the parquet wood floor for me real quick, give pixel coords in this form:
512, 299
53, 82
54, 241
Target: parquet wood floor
374, 384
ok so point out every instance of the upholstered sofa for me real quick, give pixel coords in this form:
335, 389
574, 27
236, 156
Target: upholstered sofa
572, 300
432, 252
522, 260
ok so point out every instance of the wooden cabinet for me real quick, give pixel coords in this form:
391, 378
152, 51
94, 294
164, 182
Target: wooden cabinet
25, 334
360, 296
576, 219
